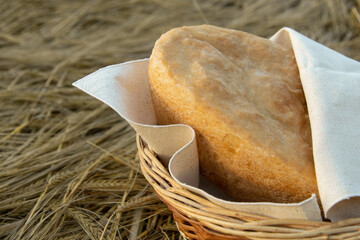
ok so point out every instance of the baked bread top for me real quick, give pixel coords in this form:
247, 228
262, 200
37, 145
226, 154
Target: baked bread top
243, 96
254, 83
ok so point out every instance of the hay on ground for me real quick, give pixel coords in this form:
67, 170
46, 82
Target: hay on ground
68, 163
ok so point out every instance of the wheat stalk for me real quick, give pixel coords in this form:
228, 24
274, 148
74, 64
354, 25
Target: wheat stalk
89, 226
54, 137
137, 202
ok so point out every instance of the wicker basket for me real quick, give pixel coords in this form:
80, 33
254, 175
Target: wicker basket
198, 218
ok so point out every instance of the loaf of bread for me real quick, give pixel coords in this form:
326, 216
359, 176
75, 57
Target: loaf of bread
243, 96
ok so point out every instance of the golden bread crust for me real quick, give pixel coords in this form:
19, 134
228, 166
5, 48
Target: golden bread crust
243, 96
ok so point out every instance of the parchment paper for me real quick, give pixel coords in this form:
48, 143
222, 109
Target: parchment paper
331, 84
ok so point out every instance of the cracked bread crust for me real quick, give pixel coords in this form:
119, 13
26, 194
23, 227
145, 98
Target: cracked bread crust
243, 96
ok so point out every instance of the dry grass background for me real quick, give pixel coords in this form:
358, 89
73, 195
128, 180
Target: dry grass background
68, 163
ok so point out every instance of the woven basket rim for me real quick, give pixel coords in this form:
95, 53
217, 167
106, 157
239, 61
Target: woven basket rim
197, 216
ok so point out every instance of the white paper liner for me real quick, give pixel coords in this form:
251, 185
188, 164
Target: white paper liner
331, 84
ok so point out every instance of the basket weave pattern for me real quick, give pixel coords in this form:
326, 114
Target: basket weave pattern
198, 218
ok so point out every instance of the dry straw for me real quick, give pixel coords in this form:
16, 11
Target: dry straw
68, 163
